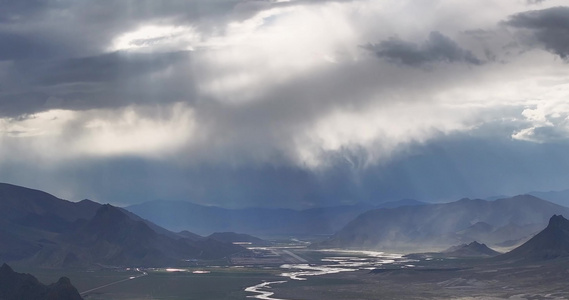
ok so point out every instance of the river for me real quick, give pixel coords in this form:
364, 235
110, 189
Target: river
337, 261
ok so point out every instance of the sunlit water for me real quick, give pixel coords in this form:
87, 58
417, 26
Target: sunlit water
261, 290
338, 261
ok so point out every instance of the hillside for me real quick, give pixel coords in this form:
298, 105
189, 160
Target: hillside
438, 226
552, 242
559, 197
42, 230
112, 238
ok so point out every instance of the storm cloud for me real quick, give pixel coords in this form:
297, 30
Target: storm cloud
282, 103
437, 48
549, 28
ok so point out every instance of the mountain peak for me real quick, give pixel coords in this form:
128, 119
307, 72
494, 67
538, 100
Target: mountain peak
550, 243
6, 269
64, 281
475, 244
471, 250
557, 221
109, 212
22, 286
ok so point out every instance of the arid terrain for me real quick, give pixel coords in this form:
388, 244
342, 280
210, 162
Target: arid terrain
472, 279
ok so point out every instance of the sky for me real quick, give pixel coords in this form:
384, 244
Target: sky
297, 103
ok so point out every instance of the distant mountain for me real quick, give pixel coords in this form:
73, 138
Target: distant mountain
550, 243
39, 229
437, 226
189, 235
179, 215
239, 238
473, 249
18, 286
559, 197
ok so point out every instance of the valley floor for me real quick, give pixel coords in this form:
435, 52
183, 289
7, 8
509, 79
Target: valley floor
330, 275
211, 283
449, 280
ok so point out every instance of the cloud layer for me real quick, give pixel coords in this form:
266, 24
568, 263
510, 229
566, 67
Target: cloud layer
230, 102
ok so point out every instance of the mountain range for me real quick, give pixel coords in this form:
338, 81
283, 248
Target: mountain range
179, 215
39, 229
438, 226
42, 230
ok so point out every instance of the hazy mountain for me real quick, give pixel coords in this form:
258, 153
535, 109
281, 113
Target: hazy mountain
179, 215
189, 235
232, 237
473, 249
437, 226
18, 286
559, 197
40, 229
550, 243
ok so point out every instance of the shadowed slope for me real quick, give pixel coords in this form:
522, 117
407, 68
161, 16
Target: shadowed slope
17, 286
113, 238
550, 243
39, 229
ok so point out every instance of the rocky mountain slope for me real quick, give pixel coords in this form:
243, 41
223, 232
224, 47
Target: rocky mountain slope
550, 243
178, 215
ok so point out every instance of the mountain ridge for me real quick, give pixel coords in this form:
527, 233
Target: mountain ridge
40, 229
205, 220
439, 225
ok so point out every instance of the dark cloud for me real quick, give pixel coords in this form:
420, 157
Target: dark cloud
111, 67
68, 28
105, 81
16, 47
21, 103
437, 48
17, 11
548, 27
63, 28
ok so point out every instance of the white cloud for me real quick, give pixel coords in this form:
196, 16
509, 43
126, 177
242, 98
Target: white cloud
59, 135
548, 121
273, 47
154, 38
131, 132
293, 81
50, 123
